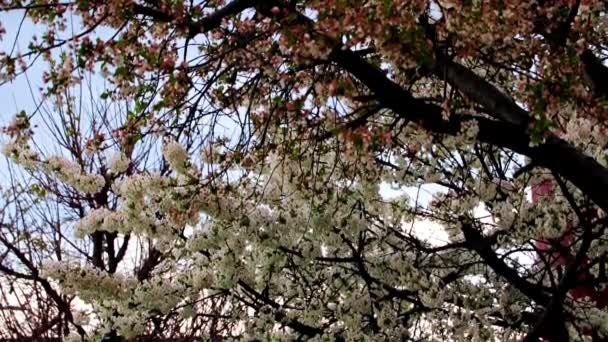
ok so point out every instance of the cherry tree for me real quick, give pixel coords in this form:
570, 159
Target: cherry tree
226, 180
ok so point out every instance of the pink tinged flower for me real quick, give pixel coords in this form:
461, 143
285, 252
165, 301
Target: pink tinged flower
168, 62
333, 87
366, 135
387, 136
542, 190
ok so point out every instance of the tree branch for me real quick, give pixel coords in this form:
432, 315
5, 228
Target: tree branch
279, 315
206, 24
62, 305
553, 311
555, 154
481, 91
484, 250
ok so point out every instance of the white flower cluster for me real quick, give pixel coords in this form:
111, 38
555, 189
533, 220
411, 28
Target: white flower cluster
101, 219
177, 156
89, 283
598, 319
21, 153
155, 205
68, 172
71, 174
119, 163
122, 301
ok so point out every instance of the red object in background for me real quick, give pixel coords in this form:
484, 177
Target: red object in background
559, 259
546, 190
542, 189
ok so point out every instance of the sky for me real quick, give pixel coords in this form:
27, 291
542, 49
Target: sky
17, 94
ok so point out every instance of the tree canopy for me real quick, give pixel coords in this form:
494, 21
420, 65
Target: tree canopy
329, 170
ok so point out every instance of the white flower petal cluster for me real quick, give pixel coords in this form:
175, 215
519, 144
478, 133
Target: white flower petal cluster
102, 219
89, 283
124, 302
21, 153
177, 156
65, 170
119, 163
73, 175
157, 206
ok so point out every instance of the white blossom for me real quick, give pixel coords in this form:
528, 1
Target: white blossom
119, 163
177, 156
21, 153
74, 176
